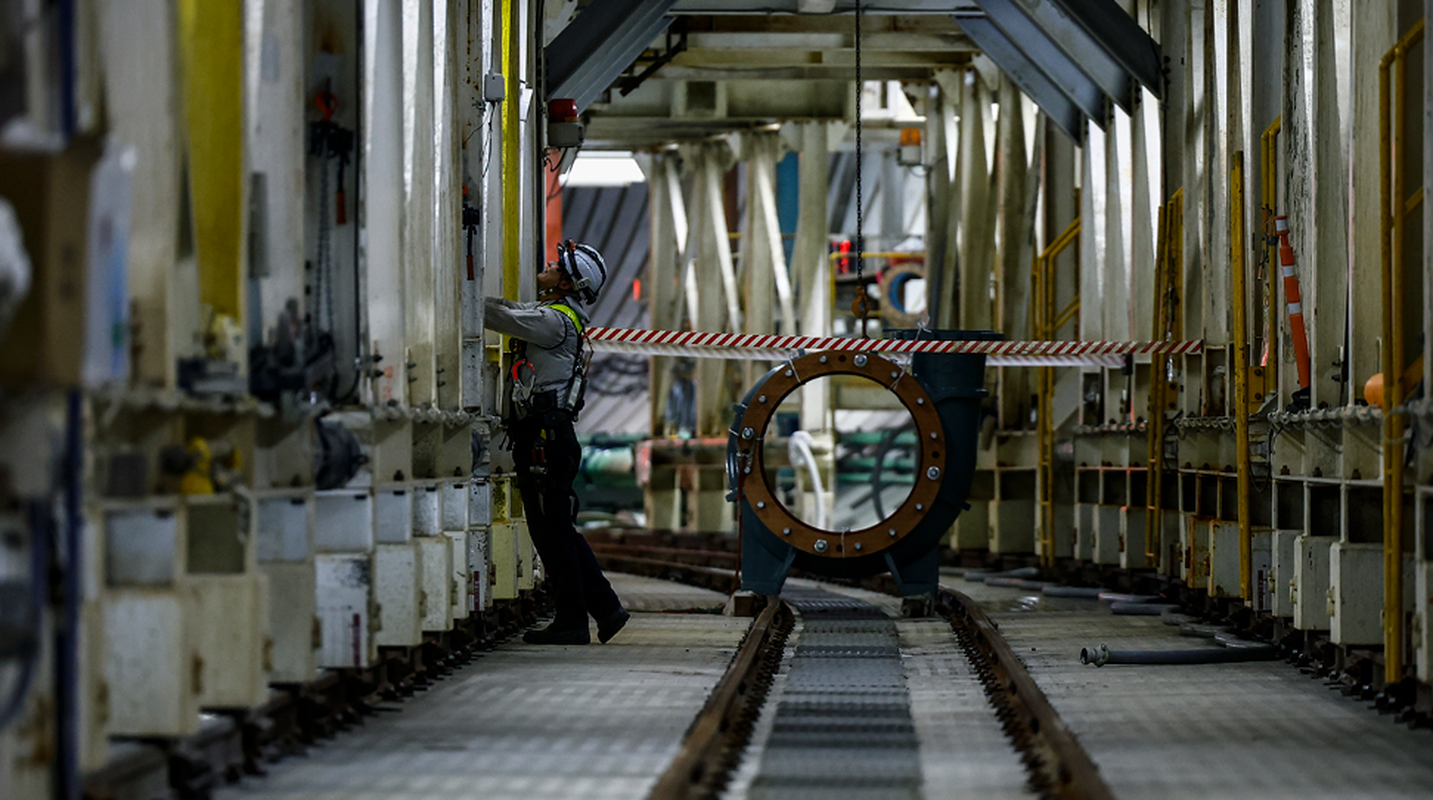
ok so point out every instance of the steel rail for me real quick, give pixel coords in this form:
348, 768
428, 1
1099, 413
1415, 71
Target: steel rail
713, 745
1057, 764
1059, 767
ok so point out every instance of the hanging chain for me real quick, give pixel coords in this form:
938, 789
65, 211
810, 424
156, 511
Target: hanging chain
862, 305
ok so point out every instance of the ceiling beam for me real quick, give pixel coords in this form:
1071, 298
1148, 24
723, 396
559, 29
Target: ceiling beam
1071, 37
1122, 38
599, 44
1039, 49
872, 7
1031, 79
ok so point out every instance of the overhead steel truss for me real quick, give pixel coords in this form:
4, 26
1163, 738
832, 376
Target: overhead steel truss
1070, 56
600, 43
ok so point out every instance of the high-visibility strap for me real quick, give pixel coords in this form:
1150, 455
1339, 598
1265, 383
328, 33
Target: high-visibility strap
572, 315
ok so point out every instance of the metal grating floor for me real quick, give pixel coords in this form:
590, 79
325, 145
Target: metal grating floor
1255, 730
842, 727
601, 721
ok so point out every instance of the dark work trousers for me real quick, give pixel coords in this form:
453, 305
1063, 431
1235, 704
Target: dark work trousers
547, 462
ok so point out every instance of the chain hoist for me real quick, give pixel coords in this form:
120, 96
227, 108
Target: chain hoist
861, 307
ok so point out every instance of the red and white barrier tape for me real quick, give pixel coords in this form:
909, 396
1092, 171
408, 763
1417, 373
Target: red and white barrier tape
700, 344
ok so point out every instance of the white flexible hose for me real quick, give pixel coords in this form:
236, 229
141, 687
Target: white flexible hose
798, 449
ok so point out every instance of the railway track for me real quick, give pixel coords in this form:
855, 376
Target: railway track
842, 725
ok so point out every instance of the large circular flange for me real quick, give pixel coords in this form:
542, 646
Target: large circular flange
787, 526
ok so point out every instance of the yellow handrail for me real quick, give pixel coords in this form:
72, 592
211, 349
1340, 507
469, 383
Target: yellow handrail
1168, 323
1045, 323
837, 255
508, 57
1240, 351
1394, 205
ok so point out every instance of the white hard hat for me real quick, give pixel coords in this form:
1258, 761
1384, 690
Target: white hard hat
584, 267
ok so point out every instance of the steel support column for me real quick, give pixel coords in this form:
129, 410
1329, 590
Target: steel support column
812, 270
665, 270
943, 222
709, 248
763, 259
977, 233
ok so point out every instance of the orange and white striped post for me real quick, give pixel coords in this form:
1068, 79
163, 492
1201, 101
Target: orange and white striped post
1294, 300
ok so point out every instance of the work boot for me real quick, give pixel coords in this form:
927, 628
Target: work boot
608, 626
555, 635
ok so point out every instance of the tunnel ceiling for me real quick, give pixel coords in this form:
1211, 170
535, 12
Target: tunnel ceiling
655, 71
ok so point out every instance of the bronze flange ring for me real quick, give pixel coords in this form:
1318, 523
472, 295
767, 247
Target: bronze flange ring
930, 460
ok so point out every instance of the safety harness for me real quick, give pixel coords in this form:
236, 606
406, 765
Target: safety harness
569, 400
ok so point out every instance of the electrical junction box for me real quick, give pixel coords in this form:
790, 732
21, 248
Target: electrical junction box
1356, 593
479, 564
152, 667
343, 521
459, 582
505, 567
294, 626
565, 134
480, 504
1194, 544
1011, 525
230, 616
1133, 522
526, 556
1107, 534
1311, 581
1422, 619
393, 515
398, 588
1223, 559
494, 87
437, 582
1285, 555
1084, 531
427, 510
346, 610
454, 514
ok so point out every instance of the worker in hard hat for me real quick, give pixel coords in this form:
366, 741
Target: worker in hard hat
547, 381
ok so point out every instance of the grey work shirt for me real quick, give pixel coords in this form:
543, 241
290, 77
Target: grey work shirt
554, 345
